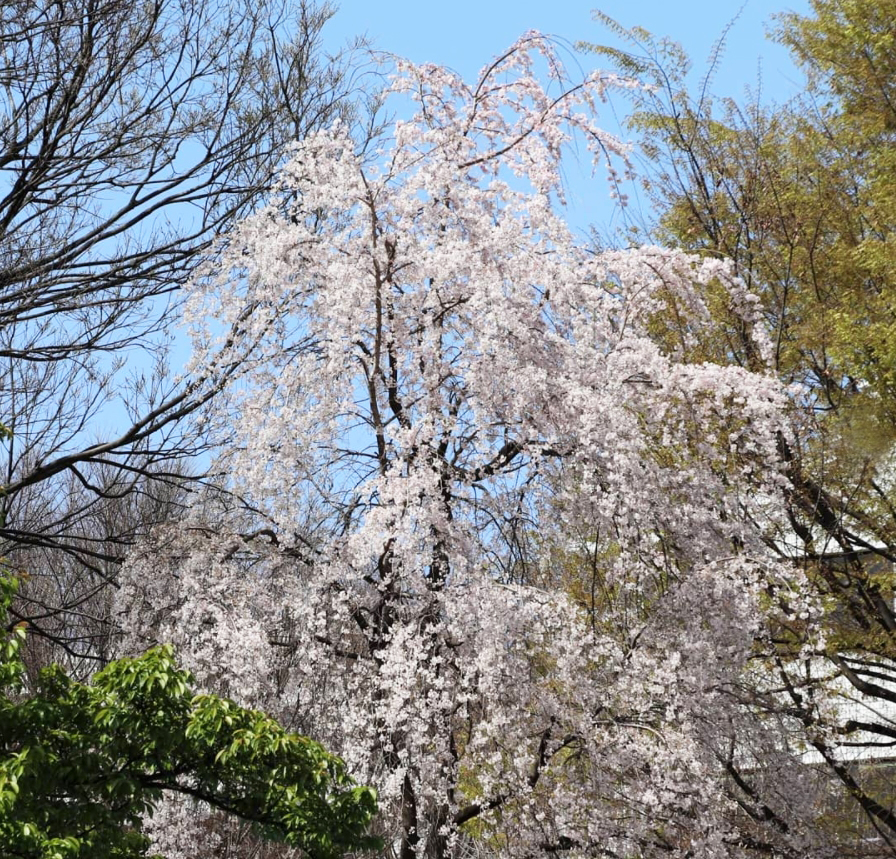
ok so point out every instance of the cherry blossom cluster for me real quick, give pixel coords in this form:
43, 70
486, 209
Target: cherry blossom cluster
512, 563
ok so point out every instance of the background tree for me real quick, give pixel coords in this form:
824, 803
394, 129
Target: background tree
131, 136
800, 198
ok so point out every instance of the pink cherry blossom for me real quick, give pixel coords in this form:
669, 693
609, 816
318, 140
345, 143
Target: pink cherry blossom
514, 563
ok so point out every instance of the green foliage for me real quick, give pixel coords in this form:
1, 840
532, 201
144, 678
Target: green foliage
81, 763
848, 49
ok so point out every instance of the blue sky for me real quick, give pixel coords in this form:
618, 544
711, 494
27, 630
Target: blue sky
465, 34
